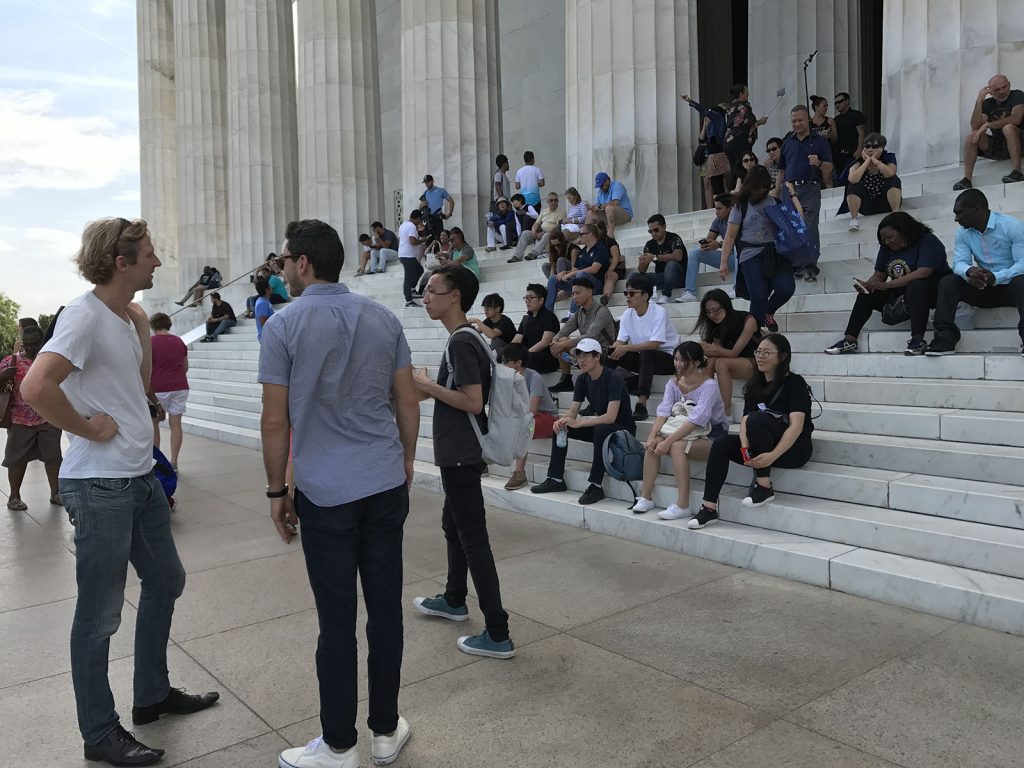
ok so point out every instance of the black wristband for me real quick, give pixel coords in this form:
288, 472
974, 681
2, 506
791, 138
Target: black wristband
277, 494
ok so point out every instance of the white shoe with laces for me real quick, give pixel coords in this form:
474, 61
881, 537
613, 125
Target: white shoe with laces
643, 505
688, 296
855, 223
386, 747
663, 299
674, 512
317, 754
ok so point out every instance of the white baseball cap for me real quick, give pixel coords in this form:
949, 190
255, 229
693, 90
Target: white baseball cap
589, 345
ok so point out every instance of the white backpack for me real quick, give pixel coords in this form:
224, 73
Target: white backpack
509, 420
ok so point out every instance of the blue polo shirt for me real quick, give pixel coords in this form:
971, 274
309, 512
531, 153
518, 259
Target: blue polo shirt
794, 153
616, 191
999, 249
435, 197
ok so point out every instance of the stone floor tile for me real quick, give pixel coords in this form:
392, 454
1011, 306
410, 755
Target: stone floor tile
211, 510
771, 643
205, 466
35, 581
23, 538
255, 500
201, 547
955, 700
261, 751
226, 483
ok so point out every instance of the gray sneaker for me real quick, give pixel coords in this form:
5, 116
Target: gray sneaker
439, 606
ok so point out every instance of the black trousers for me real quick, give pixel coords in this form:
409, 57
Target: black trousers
464, 522
413, 270
763, 434
542, 362
363, 536
595, 435
919, 296
647, 364
954, 289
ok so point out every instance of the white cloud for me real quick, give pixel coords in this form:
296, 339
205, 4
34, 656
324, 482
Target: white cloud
128, 196
25, 75
42, 150
38, 271
108, 8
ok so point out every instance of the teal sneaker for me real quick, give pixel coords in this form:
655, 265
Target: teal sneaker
482, 645
438, 606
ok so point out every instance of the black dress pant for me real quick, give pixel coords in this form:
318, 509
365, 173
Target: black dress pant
596, 435
363, 537
919, 296
647, 364
763, 434
464, 523
413, 270
542, 362
953, 289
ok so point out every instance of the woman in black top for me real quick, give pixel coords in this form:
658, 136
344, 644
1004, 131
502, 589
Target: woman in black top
729, 337
911, 261
775, 430
557, 254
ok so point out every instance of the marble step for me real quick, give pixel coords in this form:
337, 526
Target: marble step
247, 438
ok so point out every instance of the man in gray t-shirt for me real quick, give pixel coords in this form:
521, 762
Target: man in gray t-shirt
545, 411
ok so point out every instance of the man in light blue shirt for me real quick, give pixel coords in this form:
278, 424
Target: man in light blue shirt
437, 211
613, 199
263, 308
988, 268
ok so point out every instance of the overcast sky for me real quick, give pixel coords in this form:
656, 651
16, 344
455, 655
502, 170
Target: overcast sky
69, 146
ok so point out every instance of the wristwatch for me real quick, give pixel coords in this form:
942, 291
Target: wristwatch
277, 494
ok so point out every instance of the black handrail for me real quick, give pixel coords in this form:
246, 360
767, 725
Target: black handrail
197, 302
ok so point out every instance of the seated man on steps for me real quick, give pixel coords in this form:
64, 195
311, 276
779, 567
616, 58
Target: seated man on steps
591, 264
606, 392
664, 250
645, 342
988, 268
210, 280
996, 125
709, 250
222, 317
536, 238
593, 321
537, 329
542, 406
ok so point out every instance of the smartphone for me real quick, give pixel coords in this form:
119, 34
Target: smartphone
703, 241
859, 286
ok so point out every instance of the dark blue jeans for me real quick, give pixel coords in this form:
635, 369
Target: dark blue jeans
117, 521
554, 286
767, 294
363, 536
673, 276
213, 330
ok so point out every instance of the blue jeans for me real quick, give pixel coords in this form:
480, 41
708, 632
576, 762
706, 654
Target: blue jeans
554, 286
213, 330
667, 281
713, 259
119, 521
379, 258
767, 295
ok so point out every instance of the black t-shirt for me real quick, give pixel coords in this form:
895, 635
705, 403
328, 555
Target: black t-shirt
455, 442
534, 328
926, 252
222, 310
846, 131
672, 242
505, 326
994, 110
729, 331
792, 396
606, 388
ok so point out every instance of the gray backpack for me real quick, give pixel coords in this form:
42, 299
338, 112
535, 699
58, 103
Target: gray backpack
509, 420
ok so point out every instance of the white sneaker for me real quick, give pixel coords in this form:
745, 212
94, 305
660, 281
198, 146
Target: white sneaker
730, 291
675, 512
663, 299
642, 505
855, 224
386, 748
317, 754
688, 296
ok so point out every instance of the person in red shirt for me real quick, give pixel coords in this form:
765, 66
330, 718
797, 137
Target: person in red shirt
169, 382
30, 437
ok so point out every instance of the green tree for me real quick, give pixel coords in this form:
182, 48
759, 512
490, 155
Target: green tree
8, 323
44, 321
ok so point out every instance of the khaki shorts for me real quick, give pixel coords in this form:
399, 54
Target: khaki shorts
25, 444
617, 214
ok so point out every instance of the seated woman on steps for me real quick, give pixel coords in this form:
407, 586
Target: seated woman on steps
775, 430
617, 266
911, 261
872, 185
674, 435
728, 337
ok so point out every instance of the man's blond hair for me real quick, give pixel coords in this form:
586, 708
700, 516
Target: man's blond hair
103, 241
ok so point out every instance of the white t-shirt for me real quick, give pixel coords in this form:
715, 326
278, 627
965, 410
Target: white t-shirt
653, 325
529, 178
106, 354
407, 250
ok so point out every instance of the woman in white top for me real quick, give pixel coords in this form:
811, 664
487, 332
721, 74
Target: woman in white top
692, 383
576, 213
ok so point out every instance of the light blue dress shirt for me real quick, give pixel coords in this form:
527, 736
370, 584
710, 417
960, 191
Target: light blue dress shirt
999, 249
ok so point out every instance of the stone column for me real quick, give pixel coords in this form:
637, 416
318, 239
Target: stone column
451, 96
157, 138
935, 58
202, 137
263, 184
626, 65
339, 117
780, 40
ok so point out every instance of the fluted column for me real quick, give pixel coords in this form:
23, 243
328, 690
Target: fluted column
935, 59
451, 97
339, 116
781, 37
263, 182
158, 160
626, 64
202, 137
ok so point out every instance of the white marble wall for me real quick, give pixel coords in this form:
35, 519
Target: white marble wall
936, 57
451, 118
262, 138
339, 116
781, 36
389, 76
157, 137
200, 80
626, 64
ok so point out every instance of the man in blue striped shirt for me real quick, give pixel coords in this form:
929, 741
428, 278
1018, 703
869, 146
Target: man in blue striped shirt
988, 268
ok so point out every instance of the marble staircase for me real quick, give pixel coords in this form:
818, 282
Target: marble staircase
915, 495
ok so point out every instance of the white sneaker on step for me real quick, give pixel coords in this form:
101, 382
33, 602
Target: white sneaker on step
386, 748
674, 512
642, 505
855, 223
317, 754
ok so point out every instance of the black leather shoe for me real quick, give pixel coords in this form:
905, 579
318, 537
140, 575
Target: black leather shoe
119, 747
177, 703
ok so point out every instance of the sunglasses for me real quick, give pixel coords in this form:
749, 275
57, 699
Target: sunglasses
773, 149
749, 159
631, 293
873, 146
840, 101
654, 231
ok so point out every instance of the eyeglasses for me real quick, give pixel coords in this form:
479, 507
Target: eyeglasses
712, 311
531, 298
872, 146
631, 292
764, 352
430, 292
749, 160
654, 231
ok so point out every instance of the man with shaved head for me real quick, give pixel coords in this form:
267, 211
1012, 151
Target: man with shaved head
996, 125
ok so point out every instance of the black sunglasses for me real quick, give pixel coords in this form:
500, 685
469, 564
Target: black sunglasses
873, 146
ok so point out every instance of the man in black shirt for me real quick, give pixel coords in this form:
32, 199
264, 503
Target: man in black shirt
664, 250
591, 264
495, 325
996, 125
851, 127
537, 330
607, 394
460, 394
222, 317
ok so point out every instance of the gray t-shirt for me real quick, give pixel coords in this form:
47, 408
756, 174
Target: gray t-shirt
755, 226
535, 384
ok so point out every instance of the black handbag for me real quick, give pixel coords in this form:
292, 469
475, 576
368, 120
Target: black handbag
700, 155
895, 311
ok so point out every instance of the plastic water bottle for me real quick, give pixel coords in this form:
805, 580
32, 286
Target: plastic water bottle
562, 438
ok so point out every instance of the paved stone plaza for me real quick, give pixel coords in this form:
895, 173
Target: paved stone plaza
628, 655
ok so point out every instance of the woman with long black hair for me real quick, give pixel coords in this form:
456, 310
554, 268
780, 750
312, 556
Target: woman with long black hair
728, 337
